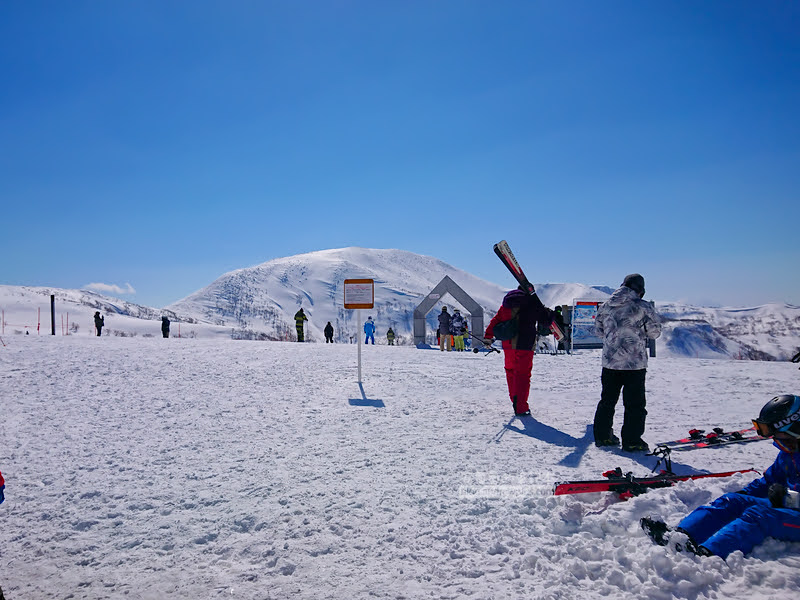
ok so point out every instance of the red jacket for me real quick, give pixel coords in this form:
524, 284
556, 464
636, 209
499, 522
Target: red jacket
530, 311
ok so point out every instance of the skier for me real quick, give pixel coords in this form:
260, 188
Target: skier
328, 331
99, 321
767, 507
390, 337
299, 317
369, 330
625, 322
457, 329
529, 311
444, 329
165, 326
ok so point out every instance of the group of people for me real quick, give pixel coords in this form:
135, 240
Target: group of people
767, 507
452, 330
99, 322
625, 323
369, 330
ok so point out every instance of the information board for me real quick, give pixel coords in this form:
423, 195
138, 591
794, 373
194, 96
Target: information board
359, 293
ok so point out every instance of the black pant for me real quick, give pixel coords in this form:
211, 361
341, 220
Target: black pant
299, 334
328, 339
631, 383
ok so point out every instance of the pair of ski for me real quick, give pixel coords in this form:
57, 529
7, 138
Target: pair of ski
628, 486
698, 438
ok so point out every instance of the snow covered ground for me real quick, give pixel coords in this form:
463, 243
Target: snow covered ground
211, 468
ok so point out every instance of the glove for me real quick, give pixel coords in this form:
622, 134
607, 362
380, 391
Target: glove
776, 494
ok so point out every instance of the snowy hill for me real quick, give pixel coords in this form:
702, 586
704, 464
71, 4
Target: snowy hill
260, 302
263, 299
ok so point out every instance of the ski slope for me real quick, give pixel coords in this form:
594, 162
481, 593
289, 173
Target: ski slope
211, 468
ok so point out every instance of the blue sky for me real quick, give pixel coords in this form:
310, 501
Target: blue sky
154, 145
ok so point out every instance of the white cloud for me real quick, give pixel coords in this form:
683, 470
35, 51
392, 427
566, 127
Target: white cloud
110, 288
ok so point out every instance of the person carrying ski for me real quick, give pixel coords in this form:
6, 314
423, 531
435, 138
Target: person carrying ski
518, 351
767, 507
625, 323
328, 331
299, 317
99, 321
369, 330
390, 337
457, 323
165, 326
444, 330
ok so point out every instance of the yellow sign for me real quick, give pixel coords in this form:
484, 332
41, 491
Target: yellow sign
359, 293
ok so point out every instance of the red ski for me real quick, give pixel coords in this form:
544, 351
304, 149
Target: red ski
627, 486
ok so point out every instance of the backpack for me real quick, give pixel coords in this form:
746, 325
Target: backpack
506, 330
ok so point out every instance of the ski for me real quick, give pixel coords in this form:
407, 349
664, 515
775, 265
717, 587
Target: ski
698, 438
507, 257
627, 486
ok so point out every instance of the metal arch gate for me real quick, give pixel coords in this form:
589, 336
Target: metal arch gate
446, 286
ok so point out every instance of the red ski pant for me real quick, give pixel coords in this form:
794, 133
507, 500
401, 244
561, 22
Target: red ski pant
518, 364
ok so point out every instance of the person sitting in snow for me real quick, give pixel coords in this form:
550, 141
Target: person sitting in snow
369, 330
767, 507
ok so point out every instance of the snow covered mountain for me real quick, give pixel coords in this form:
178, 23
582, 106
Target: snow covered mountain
260, 302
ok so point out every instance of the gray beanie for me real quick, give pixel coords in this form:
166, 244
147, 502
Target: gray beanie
635, 282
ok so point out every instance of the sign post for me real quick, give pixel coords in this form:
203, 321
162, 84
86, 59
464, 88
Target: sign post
358, 294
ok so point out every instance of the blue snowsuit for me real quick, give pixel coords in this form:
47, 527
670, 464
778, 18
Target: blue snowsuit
369, 329
741, 521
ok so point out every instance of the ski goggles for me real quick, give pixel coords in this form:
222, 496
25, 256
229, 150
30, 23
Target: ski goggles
767, 430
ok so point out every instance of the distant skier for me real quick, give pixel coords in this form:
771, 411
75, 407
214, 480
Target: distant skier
328, 331
369, 330
625, 322
299, 317
529, 311
767, 507
390, 337
165, 326
99, 321
457, 325
444, 330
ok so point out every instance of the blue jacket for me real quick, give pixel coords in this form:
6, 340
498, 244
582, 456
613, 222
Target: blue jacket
369, 327
785, 470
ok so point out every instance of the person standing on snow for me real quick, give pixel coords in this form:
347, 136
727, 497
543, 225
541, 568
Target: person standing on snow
99, 321
529, 312
299, 317
165, 326
444, 329
390, 337
457, 329
369, 330
625, 323
767, 507
328, 331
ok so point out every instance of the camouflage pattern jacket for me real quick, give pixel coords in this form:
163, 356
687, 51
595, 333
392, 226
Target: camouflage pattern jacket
625, 322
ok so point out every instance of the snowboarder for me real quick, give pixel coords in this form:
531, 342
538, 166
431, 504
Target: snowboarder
457, 323
444, 330
625, 323
369, 330
390, 337
767, 507
529, 311
99, 321
165, 326
299, 317
328, 331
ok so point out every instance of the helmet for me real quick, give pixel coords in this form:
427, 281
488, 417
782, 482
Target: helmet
782, 413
